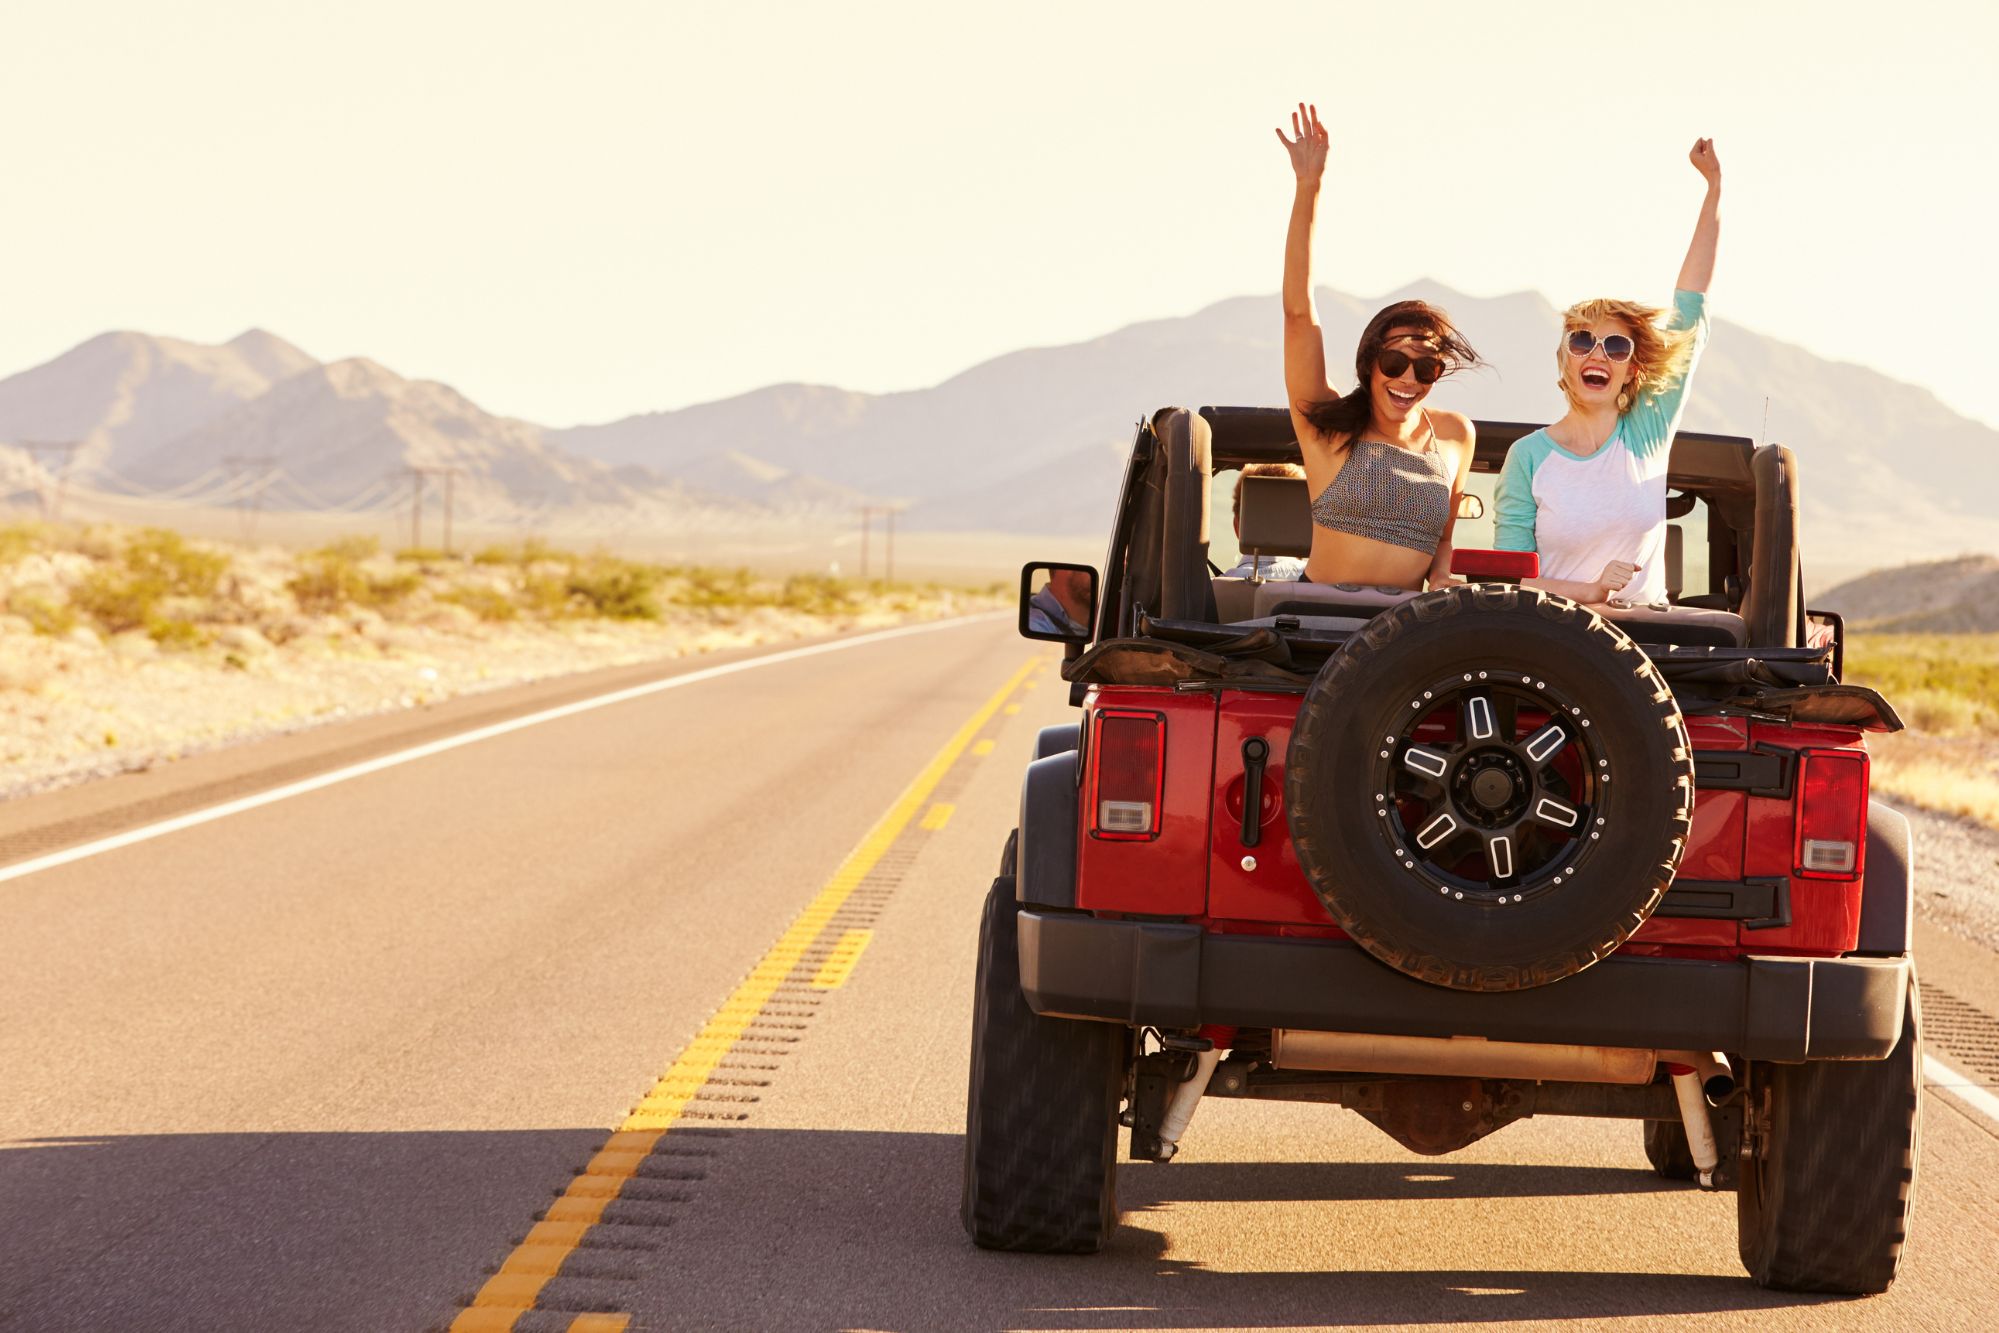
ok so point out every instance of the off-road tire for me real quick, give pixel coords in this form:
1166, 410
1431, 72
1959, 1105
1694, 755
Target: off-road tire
1666, 1148
1824, 1206
1041, 1113
1364, 692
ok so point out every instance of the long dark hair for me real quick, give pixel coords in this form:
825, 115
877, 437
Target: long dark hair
1349, 414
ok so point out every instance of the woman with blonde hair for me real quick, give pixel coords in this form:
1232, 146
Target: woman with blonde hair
1589, 492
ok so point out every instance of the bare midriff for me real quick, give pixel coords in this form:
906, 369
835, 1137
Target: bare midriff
1341, 557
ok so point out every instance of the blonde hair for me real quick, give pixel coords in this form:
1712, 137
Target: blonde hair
1658, 360
1263, 470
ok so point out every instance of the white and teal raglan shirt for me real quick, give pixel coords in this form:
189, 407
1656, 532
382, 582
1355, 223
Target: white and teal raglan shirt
1580, 512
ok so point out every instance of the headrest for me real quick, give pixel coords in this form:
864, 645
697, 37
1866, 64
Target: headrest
1276, 516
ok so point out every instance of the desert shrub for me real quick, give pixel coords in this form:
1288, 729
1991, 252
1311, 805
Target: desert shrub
482, 601
380, 592
21, 539
154, 566
719, 589
327, 580
48, 614
164, 556
818, 594
1947, 683
613, 588
547, 596
529, 552
333, 577
423, 555
176, 632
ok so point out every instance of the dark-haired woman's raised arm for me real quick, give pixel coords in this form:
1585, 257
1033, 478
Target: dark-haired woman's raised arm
1304, 341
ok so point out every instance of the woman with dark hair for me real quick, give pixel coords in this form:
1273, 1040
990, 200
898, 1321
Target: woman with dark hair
1385, 471
1589, 492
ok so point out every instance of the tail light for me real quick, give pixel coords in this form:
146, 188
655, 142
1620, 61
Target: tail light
1832, 814
1127, 768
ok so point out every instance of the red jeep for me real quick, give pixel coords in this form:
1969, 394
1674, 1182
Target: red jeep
1451, 860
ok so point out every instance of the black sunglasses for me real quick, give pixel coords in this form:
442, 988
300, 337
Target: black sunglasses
1617, 347
1393, 362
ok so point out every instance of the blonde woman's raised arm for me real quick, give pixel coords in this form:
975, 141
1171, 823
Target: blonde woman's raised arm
1698, 270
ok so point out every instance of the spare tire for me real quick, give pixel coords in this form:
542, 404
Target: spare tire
1489, 787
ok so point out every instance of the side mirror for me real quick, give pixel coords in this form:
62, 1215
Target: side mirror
1058, 602
1470, 506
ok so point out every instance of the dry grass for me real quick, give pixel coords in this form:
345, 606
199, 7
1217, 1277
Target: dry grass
109, 581
1946, 687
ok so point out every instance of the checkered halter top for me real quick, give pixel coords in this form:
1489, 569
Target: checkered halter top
1389, 494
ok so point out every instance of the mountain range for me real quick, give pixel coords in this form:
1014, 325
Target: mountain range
1029, 442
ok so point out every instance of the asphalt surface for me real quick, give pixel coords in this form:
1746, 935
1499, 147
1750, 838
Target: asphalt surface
323, 1063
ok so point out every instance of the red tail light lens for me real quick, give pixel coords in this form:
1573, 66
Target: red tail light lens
1127, 767
1832, 814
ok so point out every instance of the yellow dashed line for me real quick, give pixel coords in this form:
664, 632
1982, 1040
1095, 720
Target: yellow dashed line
1030, 684
513, 1290
600, 1323
840, 965
982, 749
1011, 709
937, 816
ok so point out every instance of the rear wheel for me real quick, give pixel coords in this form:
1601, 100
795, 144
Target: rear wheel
1824, 1205
1041, 1113
1666, 1148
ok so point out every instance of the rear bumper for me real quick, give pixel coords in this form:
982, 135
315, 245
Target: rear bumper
1168, 974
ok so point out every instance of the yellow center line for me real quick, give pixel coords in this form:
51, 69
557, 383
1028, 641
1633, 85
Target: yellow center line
937, 816
837, 968
982, 749
513, 1290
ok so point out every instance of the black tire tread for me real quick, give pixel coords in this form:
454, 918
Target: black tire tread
1041, 1111
1666, 1148
1829, 1210
1354, 664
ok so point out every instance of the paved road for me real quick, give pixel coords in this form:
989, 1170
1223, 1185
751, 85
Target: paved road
323, 1063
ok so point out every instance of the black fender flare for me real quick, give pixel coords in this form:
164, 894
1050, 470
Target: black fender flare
1888, 892
1046, 871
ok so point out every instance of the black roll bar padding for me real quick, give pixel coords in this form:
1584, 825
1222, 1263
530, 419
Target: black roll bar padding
1185, 592
1135, 546
1772, 607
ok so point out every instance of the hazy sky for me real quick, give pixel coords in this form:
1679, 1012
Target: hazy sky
572, 215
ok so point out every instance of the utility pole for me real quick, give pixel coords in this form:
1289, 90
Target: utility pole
267, 466
65, 450
867, 521
890, 513
416, 476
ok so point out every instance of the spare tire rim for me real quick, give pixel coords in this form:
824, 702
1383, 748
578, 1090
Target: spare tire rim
1489, 787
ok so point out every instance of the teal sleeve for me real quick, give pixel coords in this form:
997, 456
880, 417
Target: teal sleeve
1513, 505
1649, 425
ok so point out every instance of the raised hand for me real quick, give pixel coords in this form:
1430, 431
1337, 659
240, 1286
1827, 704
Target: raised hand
1705, 162
1308, 145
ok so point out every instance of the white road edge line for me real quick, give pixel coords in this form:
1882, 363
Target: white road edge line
1964, 1089
145, 833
